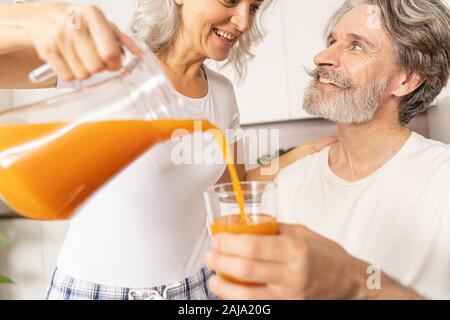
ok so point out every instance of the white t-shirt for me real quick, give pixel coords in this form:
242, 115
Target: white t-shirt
147, 226
397, 219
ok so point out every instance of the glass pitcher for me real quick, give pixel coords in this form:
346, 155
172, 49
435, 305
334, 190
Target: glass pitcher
54, 154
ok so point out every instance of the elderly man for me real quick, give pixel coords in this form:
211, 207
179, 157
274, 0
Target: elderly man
373, 210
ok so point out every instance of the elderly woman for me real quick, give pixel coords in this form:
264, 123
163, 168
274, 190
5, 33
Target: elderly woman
143, 235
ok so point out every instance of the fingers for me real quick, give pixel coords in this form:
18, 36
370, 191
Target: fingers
87, 52
273, 248
129, 43
308, 149
247, 270
232, 291
72, 59
293, 229
49, 48
126, 41
59, 65
78, 41
315, 146
104, 37
324, 142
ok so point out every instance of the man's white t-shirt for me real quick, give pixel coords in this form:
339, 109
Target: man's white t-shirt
147, 226
397, 219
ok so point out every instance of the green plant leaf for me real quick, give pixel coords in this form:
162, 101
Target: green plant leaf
3, 240
7, 280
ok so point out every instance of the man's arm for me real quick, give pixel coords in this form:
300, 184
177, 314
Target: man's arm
296, 264
390, 290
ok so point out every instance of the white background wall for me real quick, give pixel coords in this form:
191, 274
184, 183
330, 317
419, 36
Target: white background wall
272, 91
274, 87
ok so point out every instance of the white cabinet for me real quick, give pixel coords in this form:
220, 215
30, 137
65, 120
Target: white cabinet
303, 25
263, 95
273, 89
5, 99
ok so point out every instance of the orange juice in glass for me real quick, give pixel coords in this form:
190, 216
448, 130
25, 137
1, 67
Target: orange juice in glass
261, 208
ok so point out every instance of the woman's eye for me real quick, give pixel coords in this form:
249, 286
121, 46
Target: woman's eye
254, 9
357, 46
229, 3
331, 42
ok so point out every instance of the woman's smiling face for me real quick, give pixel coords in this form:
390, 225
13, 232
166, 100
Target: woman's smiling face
212, 27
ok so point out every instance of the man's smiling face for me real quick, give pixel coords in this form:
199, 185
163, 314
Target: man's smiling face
352, 75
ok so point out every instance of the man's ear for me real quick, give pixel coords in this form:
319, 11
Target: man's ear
408, 83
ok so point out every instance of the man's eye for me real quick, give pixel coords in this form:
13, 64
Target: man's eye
357, 46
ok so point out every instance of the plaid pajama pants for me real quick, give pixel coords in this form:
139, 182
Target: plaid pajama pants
63, 287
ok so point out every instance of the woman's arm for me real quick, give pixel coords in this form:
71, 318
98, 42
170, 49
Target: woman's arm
17, 55
15, 67
76, 41
270, 171
238, 156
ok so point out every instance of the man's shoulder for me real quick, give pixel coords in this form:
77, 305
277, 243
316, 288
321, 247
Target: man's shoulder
427, 165
431, 150
428, 142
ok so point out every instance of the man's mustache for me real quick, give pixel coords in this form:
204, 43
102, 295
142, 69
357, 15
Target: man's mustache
338, 79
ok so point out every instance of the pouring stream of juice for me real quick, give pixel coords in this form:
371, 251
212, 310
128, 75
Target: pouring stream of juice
48, 170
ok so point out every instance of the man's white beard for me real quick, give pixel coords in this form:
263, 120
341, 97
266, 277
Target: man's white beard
350, 106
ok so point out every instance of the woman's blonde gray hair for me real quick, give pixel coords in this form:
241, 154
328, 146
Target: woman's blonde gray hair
157, 23
420, 32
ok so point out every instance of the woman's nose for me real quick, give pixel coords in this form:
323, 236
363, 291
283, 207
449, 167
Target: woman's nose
241, 19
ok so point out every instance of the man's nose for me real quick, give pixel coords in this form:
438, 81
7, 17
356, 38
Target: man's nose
241, 19
328, 57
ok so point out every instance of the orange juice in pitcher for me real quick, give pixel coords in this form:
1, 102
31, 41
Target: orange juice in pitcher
56, 153
48, 170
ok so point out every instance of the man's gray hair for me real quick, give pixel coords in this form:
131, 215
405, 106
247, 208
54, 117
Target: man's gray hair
157, 23
420, 33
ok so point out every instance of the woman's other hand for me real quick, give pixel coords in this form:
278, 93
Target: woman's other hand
270, 171
308, 149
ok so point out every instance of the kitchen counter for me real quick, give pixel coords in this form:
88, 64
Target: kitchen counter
10, 215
